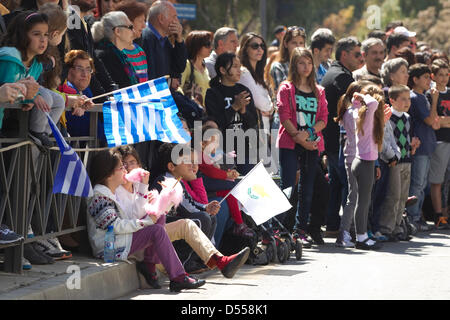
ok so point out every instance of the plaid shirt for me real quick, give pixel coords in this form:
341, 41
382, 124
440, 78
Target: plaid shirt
279, 72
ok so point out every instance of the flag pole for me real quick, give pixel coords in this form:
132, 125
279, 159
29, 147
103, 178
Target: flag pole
112, 92
241, 181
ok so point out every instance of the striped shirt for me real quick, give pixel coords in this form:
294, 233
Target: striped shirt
138, 60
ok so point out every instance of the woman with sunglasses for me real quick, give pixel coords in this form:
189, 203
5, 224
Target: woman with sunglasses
113, 33
195, 77
136, 12
253, 56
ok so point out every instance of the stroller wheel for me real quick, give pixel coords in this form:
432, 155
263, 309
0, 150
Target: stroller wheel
271, 252
287, 249
281, 251
298, 249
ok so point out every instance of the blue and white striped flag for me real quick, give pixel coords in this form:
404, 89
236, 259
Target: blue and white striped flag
71, 177
134, 116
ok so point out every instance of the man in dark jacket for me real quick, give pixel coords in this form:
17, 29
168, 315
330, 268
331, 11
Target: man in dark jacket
336, 82
163, 57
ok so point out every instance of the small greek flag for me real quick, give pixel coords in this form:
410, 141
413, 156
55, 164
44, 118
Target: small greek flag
71, 177
143, 112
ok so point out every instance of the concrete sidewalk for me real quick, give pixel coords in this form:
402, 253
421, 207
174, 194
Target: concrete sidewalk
79, 277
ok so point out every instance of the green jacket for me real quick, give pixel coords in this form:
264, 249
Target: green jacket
13, 70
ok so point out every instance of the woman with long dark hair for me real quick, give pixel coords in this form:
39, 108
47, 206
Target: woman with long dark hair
253, 56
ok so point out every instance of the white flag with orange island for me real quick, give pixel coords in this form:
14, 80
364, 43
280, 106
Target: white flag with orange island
259, 195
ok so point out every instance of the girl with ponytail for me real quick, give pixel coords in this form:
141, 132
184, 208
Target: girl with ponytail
369, 117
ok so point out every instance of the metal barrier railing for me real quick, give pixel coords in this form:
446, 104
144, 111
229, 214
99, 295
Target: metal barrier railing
26, 182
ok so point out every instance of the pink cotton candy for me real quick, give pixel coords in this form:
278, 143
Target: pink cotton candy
164, 201
231, 154
135, 175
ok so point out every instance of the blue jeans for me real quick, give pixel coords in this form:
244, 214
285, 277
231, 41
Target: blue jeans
288, 172
306, 161
420, 168
338, 190
223, 219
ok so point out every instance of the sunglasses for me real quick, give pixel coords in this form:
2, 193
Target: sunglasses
131, 27
207, 44
255, 46
294, 28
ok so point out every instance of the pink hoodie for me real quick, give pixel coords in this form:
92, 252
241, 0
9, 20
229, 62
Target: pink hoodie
285, 111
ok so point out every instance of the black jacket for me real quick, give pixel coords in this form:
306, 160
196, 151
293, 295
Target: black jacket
335, 82
218, 101
167, 60
112, 63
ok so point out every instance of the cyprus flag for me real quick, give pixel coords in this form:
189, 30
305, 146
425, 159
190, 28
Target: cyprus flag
259, 196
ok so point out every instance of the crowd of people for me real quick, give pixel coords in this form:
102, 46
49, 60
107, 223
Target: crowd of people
362, 138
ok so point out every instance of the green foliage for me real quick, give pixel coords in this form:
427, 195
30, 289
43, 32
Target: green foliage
344, 17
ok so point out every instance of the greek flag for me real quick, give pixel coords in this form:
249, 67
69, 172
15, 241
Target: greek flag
143, 112
71, 177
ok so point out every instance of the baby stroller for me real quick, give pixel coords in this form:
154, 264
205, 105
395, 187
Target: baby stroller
274, 244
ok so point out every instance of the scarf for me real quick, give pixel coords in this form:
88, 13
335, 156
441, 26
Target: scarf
127, 67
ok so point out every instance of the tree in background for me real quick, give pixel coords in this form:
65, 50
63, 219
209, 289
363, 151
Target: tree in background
433, 26
345, 17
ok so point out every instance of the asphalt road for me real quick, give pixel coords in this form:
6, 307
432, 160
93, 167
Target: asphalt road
412, 270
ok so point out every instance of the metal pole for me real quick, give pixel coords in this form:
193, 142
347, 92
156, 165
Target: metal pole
263, 13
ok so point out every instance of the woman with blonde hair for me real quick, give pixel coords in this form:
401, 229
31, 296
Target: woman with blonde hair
253, 56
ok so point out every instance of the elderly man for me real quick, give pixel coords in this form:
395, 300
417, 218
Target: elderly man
374, 52
163, 43
80, 68
225, 40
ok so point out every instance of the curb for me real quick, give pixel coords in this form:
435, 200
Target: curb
102, 282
